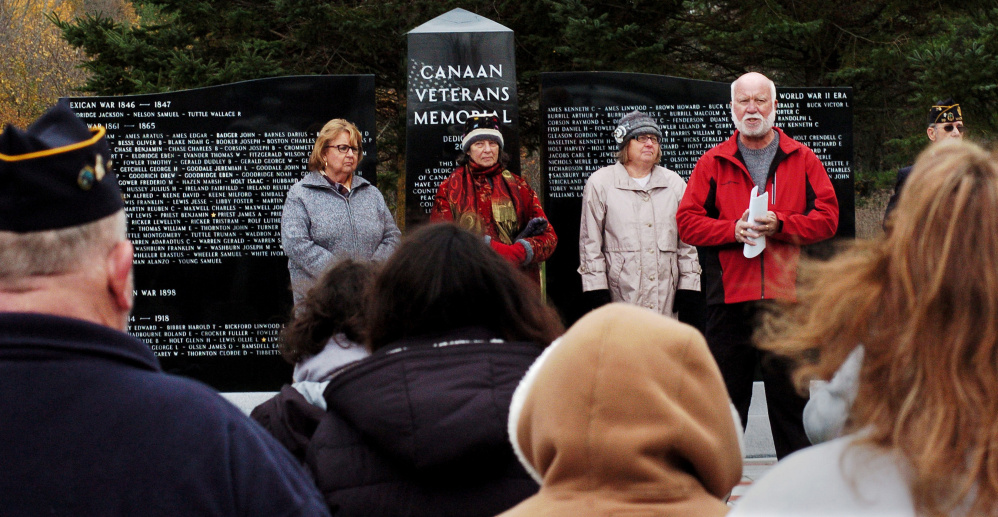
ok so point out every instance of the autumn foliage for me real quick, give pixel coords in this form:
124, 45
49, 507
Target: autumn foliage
37, 66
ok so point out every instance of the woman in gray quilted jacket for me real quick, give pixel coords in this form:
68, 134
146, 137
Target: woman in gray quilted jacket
331, 214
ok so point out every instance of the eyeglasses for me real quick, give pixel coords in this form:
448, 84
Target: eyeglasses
950, 127
644, 139
343, 148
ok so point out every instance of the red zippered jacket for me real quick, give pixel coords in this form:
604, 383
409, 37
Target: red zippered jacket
717, 194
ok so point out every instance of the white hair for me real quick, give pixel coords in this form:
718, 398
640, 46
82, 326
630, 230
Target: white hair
772, 88
65, 250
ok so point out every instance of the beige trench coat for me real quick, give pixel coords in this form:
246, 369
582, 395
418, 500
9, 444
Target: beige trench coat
628, 240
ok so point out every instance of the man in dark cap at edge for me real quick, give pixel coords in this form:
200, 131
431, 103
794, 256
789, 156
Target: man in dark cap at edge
945, 121
91, 425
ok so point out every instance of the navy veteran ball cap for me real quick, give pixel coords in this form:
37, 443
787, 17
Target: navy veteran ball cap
945, 111
55, 174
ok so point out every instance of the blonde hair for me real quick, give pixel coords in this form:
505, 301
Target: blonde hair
53, 252
923, 301
330, 131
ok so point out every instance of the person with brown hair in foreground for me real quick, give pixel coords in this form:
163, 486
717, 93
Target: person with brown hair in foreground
326, 331
923, 302
419, 427
626, 414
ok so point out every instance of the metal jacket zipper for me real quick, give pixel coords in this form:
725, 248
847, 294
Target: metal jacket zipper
762, 256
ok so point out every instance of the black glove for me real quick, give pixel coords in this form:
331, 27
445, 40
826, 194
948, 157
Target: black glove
534, 227
596, 299
692, 308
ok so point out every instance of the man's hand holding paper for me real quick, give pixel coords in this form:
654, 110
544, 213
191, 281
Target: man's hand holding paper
755, 225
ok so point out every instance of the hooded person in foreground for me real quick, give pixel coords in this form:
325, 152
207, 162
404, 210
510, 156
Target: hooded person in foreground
626, 414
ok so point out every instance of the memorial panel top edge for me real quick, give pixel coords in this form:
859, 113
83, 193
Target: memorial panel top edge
586, 78
615, 76
275, 79
460, 20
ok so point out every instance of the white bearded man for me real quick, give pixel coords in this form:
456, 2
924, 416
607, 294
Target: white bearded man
801, 209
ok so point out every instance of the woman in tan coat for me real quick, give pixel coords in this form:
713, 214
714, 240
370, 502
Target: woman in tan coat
629, 247
626, 414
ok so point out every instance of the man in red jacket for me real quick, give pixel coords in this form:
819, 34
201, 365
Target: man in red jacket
713, 215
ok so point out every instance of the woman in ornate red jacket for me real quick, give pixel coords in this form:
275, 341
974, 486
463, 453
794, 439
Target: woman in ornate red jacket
483, 196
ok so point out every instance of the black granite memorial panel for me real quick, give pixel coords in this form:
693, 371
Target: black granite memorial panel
459, 64
580, 111
204, 174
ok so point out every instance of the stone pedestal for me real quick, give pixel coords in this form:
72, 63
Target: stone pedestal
459, 64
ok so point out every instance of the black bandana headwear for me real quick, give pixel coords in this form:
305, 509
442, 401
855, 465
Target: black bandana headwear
945, 111
55, 174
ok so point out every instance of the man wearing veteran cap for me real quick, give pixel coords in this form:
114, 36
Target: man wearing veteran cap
481, 195
945, 120
91, 425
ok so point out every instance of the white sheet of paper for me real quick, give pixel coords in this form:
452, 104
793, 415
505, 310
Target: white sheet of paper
757, 208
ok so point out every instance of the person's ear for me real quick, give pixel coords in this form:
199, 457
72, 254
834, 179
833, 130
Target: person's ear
119, 275
931, 131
